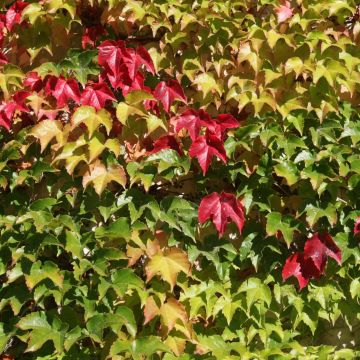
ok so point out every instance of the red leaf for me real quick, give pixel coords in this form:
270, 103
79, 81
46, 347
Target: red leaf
284, 12
3, 58
166, 142
91, 34
167, 93
111, 54
7, 109
192, 120
145, 59
66, 89
152, 105
294, 266
2, 29
50, 82
221, 209
226, 121
205, 147
319, 247
5, 120
137, 84
137, 58
96, 95
311, 263
122, 64
119, 79
19, 99
33, 81
13, 15
357, 225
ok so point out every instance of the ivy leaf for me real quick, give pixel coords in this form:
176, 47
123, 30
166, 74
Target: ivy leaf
45, 131
220, 208
40, 272
276, 222
41, 331
206, 83
33, 81
96, 95
287, 170
255, 291
205, 147
136, 58
224, 121
123, 62
139, 348
99, 322
166, 142
171, 312
92, 118
168, 92
111, 54
192, 120
100, 176
66, 89
284, 12
311, 263
13, 15
302, 269
168, 264
151, 309
319, 247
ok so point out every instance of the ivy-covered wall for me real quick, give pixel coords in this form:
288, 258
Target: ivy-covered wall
179, 179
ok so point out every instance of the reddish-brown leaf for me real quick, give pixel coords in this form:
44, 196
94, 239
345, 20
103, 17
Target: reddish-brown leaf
91, 34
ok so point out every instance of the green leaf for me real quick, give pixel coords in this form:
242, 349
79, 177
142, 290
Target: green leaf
276, 222
122, 317
42, 204
118, 229
288, 171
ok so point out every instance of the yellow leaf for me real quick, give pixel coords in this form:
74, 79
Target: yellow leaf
138, 96
176, 344
100, 176
96, 146
206, 83
10, 75
168, 264
45, 131
171, 312
92, 119
123, 111
153, 122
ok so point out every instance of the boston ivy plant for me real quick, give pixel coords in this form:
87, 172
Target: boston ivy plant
179, 179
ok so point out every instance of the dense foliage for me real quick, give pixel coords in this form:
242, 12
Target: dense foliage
179, 179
